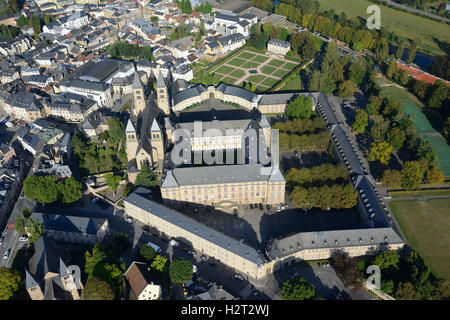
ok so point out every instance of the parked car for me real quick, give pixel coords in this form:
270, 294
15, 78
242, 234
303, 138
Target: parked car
296, 153
146, 228
193, 253
128, 219
203, 257
268, 207
278, 208
238, 277
251, 206
23, 239
7, 252
154, 246
1, 240
235, 212
194, 268
174, 243
91, 195
261, 207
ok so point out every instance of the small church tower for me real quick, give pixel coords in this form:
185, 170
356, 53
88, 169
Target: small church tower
162, 94
132, 142
68, 280
157, 141
33, 288
138, 95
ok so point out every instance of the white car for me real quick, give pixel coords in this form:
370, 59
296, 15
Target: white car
129, 219
194, 268
6, 255
23, 239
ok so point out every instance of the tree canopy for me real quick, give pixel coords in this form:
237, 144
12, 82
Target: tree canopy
97, 289
49, 189
300, 107
380, 151
297, 289
146, 178
181, 271
10, 283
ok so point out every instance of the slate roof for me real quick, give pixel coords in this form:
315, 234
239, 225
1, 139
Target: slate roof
279, 248
188, 93
279, 43
238, 92
69, 223
173, 217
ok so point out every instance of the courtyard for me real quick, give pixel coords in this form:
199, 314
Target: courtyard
262, 70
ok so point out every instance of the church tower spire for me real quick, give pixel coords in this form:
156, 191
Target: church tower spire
138, 95
162, 94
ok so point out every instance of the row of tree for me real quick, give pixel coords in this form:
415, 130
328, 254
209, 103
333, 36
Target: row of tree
304, 142
316, 176
411, 176
337, 196
298, 126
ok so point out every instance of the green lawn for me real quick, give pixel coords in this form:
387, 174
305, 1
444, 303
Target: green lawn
280, 73
250, 65
289, 66
224, 69
419, 193
268, 70
294, 84
269, 82
236, 62
229, 80
426, 225
237, 73
260, 59
276, 63
404, 24
246, 55
256, 78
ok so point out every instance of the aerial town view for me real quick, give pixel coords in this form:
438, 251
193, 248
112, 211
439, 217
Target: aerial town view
248, 151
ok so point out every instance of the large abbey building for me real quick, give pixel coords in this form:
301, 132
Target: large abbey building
149, 133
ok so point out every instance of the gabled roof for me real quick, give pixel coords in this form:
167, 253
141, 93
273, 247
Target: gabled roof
155, 126
137, 82
169, 180
30, 282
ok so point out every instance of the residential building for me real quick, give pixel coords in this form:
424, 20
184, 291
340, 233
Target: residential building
278, 47
139, 283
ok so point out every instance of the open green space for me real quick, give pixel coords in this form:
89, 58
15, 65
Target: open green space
294, 84
425, 225
246, 55
260, 59
276, 63
224, 69
280, 73
236, 62
404, 24
229, 80
250, 65
256, 78
237, 73
420, 193
268, 69
269, 82
289, 66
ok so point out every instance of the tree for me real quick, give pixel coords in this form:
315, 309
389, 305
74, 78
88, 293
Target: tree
388, 261
181, 271
405, 291
379, 128
10, 283
26, 212
48, 189
113, 181
146, 178
267, 27
159, 263
357, 72
420, 89
116, 131
126, 191
391, 178
393, 110
300, 107
434, 176
439, 93
400, 49
361, 121
413, 50
35, 230
396, 137
346, 89
297, 289
19, 225
380, 151
70, 190
97, 289
94, 260
411, 175
147, 253
373, 105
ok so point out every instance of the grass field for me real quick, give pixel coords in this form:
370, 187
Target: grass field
419, 193
404, 24
426, 225
258, 68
